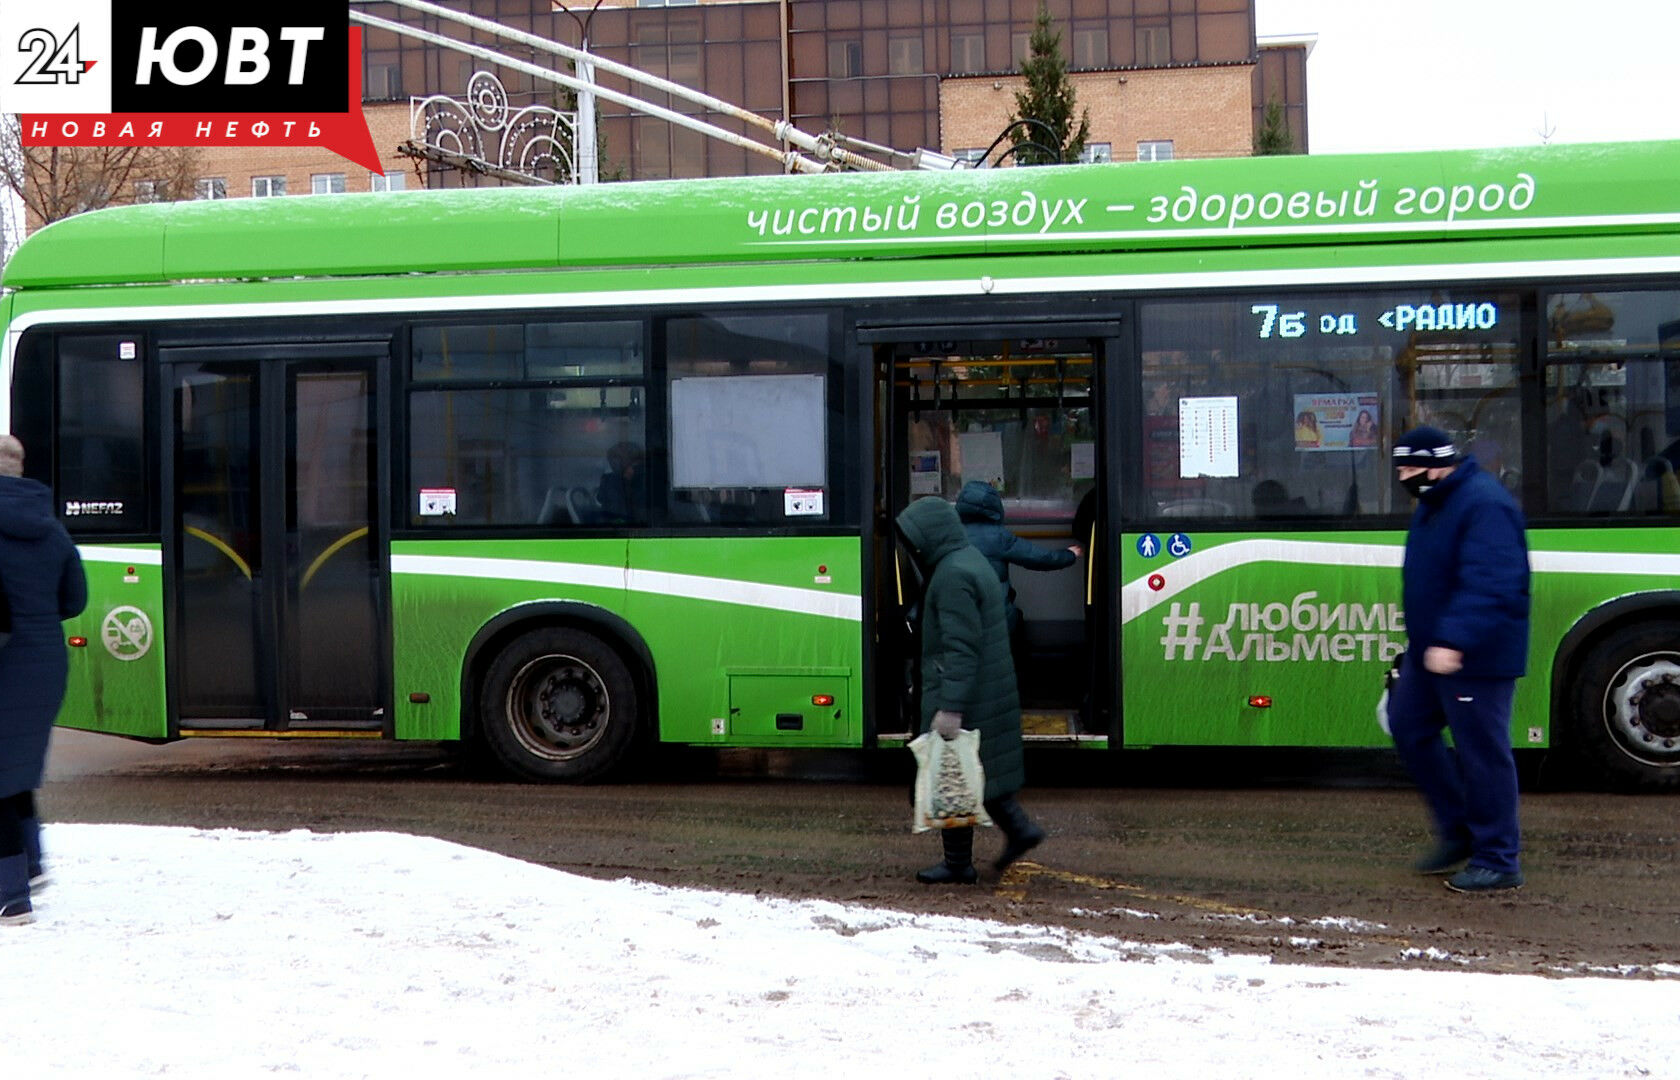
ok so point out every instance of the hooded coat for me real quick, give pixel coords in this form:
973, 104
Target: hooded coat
42, 575
981, 510
1466, 574
966, 666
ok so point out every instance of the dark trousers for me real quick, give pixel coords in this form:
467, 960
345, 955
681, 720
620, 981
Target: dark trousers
1005, 813
14, 811
1471, 789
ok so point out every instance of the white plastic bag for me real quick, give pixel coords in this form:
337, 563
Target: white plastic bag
950, 784
1390, 677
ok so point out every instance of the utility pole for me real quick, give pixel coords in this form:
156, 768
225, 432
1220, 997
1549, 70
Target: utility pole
586, 152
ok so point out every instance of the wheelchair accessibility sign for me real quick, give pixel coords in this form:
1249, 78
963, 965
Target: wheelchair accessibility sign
1178, 545
127, 633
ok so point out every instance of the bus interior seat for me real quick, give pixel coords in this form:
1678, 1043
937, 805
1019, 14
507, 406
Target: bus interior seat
1583, 482
1617, 483
581, 504
553, 510
1196, 508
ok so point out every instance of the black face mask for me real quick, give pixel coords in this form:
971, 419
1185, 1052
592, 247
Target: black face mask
1417, 484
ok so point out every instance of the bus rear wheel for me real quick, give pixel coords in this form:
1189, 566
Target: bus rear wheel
1627, 707
558, 704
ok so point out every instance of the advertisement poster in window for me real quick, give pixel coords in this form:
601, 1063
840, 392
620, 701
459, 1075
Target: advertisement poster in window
1337, 421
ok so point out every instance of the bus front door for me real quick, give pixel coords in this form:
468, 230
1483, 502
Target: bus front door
274, 542
1016, 406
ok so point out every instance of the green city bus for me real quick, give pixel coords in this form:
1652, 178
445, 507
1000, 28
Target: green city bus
568, 473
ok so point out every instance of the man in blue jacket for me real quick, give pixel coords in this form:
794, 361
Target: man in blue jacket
1466, 597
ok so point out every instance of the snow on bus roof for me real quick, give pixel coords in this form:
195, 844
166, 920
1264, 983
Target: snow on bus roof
1215, 203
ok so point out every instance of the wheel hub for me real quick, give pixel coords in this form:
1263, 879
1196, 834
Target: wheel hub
560, 706
1643, 708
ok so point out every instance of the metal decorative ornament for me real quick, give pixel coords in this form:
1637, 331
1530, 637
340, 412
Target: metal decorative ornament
534, 143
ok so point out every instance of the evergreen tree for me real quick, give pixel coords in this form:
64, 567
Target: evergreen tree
1047, 99
1273, 136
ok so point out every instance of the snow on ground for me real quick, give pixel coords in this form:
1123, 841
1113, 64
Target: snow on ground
225, 954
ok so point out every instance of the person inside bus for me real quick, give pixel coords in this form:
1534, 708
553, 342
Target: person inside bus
1271, 500
622, 491
967, 680
981, 509
41, 574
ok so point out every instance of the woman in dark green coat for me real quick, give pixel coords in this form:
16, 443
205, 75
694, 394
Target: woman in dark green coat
968, 679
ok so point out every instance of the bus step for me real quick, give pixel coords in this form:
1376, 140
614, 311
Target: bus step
1063, 722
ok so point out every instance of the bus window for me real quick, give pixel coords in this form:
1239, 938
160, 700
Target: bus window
749, 419
1283, 406
520, 425
1613, 403
101, 453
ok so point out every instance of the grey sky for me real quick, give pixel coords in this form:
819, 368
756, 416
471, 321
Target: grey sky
1437, 74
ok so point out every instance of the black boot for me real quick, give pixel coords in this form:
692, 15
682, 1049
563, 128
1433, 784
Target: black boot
1020, 835
958, 866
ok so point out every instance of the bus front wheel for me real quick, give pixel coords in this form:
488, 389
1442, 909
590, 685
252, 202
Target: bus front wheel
1627, 707
558, 704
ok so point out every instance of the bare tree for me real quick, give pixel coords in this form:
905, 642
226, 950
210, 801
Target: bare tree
53, 182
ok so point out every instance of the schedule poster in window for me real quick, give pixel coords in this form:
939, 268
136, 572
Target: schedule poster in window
1337, 421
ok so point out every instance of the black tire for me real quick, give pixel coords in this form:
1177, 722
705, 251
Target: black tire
1625, 724
559, 704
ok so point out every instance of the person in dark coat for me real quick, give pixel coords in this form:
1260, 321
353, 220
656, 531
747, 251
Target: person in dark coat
981, 509
42, 575
1466, 596
968, 679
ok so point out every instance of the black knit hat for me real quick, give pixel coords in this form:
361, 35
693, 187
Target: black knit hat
1428, 447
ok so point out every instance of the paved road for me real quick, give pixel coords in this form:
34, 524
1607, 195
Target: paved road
1306, 862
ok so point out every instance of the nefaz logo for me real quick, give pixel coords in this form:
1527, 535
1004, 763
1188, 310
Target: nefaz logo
293, 62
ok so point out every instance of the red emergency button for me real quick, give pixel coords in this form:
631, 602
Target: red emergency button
1157, 582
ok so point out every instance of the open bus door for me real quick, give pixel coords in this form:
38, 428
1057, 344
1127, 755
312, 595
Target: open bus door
1018, 405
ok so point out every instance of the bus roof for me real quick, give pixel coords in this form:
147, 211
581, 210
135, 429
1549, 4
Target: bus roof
1335, 199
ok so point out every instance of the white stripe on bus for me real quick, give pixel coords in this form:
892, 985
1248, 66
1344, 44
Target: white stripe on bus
130, 556
1136, 597
1595, 221
659, 583
975, 285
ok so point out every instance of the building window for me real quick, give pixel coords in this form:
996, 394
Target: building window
1155, 150
845, 59
384, 82
1020, 47
210, 187
326, 184
1090, 47
148, 191
1154, 46
1096, 152
262, 186
904, 55
387, 181
968, 52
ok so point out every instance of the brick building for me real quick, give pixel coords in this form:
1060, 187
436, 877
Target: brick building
1160, 79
